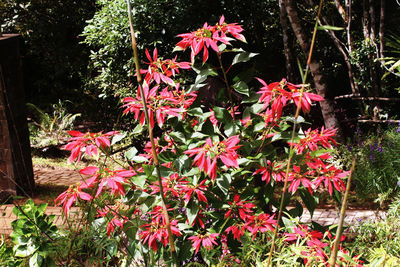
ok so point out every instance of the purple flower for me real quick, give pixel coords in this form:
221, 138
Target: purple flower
371, 148
371, 158
349, 148
377, 147
398, 183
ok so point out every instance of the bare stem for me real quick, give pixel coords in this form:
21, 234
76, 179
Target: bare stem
153, 146
332, 259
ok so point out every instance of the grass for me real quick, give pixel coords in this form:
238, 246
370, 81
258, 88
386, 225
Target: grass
44, 162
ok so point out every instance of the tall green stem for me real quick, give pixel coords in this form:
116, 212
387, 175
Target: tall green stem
332, 259
150, 129
291, 151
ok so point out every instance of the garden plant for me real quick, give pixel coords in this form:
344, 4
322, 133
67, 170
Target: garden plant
218, 182
207, 184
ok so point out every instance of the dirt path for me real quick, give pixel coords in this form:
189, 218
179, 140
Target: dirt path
65, 176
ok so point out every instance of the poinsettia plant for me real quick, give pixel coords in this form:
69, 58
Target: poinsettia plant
208, 181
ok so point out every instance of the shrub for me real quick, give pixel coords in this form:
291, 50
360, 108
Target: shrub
378, 166
202, 188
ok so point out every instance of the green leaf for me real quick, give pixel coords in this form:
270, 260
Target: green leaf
207, 128
259, 126
309, 200
242, 88
222, 115
243, 57
139, 180
289, 224
42, 207
231, 129
182, 163
138, 129
223, 183
36, 260
253, 98
192, 210
166, 156
202, 75
198, 112
116, 138
297, 211
330, 28
138, 159
131, 153
178, 136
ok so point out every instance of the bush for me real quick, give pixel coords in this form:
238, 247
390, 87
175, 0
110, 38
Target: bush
378, 165
204, 186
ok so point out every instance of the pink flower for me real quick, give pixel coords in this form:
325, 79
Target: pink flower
187, 190
207, 241
70, 196
313, 138
157, 230
328, 175
117, 220
209, 36
167, 103
237, 230
87, 142
271, 170
161, 70
297, 178
261, 223
206, 156
244, 208
106, 177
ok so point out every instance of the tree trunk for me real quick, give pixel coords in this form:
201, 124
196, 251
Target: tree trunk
381, 28
286, 47
365, 20
327, 107
373, 68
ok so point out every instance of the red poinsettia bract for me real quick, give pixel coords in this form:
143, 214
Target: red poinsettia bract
161, 70
157, 230
70, 196
88, 143
206, 156
168, 102
106, 177
206, 240
210, 36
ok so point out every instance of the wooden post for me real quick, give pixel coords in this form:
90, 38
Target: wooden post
16, 172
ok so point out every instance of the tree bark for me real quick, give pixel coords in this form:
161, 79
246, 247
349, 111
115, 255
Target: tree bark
327, 106
365, 21
372, 18
286, 47
381, 28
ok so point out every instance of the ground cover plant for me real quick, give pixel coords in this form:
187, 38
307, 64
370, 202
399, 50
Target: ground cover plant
202, 190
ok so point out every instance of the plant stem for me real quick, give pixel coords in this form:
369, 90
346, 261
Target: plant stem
150, 129
291, 151
332, 259
228, 88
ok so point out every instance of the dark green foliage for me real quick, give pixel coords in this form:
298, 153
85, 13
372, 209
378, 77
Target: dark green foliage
158, 22
54, 61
